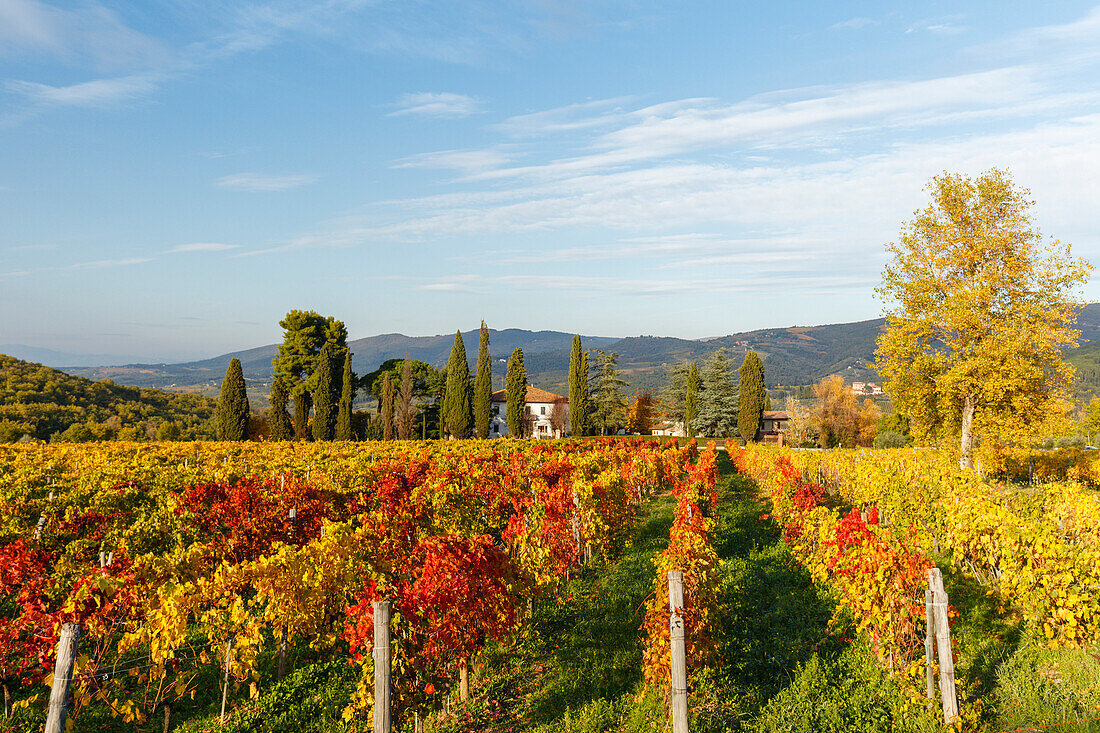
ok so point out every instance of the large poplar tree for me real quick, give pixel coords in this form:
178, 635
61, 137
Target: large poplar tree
578, 389
515, 394
978, 309
324, 396
278, 421
404, 411
751, 395
483, 385
456, 398
347, 397
387, 407
231, 413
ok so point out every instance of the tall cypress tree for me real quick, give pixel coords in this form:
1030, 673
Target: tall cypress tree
483, 385
691, 401
387, 407
278, 421
751, 396
347, 396
231, 413
608, 408
456, 398
515, 393
578, 389
324, 396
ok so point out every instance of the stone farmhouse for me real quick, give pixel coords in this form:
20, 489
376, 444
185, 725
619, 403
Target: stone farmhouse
546, 415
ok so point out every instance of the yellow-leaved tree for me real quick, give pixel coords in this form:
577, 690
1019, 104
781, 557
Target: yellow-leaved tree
978, 308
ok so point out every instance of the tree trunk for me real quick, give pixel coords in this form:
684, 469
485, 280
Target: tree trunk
966, 456
167, 716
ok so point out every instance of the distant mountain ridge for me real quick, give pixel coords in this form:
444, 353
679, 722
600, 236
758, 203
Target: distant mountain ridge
794, 355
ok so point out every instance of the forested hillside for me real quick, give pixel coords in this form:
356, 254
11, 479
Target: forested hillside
45, 403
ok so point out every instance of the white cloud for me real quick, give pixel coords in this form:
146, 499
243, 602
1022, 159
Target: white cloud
89, 32
853, 24
442, 104
465, 161
203, 247
258, 182
96, 93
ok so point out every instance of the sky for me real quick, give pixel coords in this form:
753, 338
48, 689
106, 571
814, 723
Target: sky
176, 176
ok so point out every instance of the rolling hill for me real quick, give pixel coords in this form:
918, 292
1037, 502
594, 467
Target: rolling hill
795, 355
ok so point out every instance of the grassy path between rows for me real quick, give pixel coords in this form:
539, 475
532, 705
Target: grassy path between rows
579, 669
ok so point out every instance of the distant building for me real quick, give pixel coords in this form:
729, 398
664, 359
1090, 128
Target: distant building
773, 426
546, 415
675, 429
866, 388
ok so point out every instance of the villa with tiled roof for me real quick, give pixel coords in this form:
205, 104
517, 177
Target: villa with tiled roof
546, 415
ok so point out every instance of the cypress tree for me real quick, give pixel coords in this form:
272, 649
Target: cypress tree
751, 396
456, 398
578, 389
303, 401
231, 413
691, 401
347, 396
324, 397
278, 420
483, 385
515, 392
387, 407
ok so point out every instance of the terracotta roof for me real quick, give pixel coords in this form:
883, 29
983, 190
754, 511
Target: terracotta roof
776, 415
534, 394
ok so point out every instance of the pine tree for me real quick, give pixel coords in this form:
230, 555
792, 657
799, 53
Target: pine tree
231, 413
717, 416
691, 398
387, 407
751, 395
347, 396
278, 421
609, 408
483, 386
304, 333
456, 398
515, 393
578, 389
324, 397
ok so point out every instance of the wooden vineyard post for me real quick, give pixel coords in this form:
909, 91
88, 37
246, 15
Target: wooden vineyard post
678, 651
292, 515
943, 647
464, 680
225, 685
382, 670
929, 646
62, 677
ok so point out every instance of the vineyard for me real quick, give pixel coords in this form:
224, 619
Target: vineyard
177, 556
528, 582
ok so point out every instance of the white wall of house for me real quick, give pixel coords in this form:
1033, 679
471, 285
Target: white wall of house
498, 424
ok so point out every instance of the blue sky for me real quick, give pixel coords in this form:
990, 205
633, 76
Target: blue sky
175, 176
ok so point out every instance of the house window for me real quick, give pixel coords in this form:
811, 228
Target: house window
527, 409
542, 410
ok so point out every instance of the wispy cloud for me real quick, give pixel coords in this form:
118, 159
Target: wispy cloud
89, 32
441, 104
203, 247
945, 26
260, 182
97, 93
853, 24
86, 265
